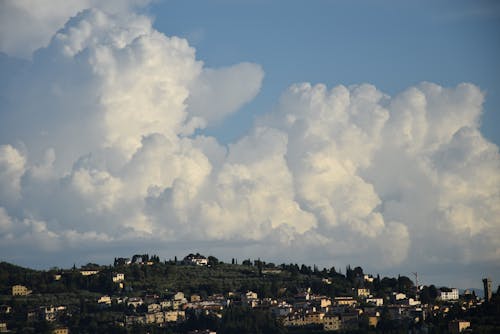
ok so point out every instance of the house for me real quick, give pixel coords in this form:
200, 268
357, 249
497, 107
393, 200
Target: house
195, 298
344, 301
135, 319
179, 296
398, 296
122, 261
372, 320
174, 316
271, 271
446, 294
60, 330
458, 326
331, 322
5, 309
118, 277
20, 290
362, 293
48, 313
88, 272
375, 301
195, 259
327, 281
104, 300
3, 327
154, 308
323, 301
135, 301
249, 298
368, 278
303, 319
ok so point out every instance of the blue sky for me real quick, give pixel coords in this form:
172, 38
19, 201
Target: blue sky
390, 44
116, 136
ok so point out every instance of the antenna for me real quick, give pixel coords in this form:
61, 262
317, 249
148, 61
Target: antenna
416, 285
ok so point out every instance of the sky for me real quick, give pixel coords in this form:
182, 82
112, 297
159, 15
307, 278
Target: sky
319, 132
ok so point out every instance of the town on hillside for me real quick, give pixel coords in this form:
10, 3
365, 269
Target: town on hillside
199, 294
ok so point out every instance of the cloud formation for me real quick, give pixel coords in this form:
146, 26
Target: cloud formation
27, 25
102, 146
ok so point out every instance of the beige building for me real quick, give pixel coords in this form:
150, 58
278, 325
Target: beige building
61, 330
372, 320
375, 301
173, 316
20, 290
331, 323
104, 300
118, 277
458, 326
195, 298
363, 293
346, 301
89, 272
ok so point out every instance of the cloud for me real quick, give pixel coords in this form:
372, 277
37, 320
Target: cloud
217, 93
26, 25
102, 146
11, 169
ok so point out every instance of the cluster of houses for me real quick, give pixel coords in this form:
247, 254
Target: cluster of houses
171, 307
305, 309
348, 312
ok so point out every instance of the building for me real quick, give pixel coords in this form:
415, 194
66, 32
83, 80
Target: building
344, 301
487, 289
61, 330
174, 316
135, 301
363, 293
250, 298
105, 300
85, 272
152, 308
331, 322
48, 313
458, 326
446, 294
368, 278
179, 296
375, 301
5, 309
3, 327
398, 296
196, 259
118, 277
20, 290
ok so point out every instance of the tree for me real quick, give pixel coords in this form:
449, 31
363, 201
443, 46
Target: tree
213, 261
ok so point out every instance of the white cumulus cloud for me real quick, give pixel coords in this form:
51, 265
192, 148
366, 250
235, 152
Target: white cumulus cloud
102, 145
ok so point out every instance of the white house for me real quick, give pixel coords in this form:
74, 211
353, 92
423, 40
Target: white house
446, 294
196, 259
